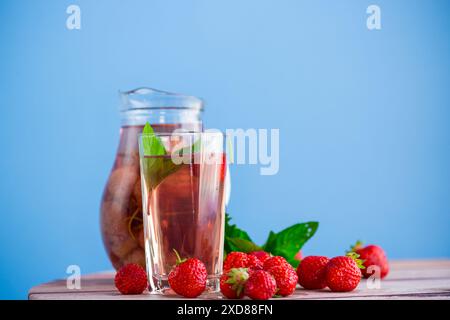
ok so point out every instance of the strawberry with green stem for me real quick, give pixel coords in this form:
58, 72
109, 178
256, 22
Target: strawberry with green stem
188, 277
343, 273
372, 256
232, 283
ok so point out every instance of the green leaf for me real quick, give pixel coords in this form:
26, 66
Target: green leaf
289, 241
270, 240
243, 245
233, 232
285, 243
157, 168
151, 143
156, 165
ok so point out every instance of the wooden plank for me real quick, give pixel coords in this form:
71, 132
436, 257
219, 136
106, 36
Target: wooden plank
407, 279
424, 269
99, 282
403, 297
419, 264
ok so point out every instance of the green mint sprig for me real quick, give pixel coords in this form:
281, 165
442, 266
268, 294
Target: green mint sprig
151, 143
286, 243
157, 163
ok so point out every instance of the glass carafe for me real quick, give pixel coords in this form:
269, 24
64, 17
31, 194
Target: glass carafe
121, 204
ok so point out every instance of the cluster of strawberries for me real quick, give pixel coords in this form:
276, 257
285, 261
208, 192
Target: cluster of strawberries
342, 273
262, 276
257, 275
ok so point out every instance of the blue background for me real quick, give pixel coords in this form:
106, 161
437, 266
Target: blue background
363, 118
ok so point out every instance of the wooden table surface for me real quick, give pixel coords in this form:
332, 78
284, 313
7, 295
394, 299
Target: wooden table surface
424, 279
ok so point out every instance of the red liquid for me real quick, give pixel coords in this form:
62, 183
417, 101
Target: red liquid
185, 212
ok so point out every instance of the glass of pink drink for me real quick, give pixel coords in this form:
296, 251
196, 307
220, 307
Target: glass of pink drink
183, 203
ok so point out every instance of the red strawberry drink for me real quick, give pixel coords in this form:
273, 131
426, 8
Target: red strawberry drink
183, 204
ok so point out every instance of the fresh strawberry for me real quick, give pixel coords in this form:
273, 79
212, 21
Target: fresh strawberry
261, 285
286, 279
372, 255
235, 260
343, 273
274, 261
261, 255
232, 283
188, 278
241, 260
131, 279
312, 271
254, 263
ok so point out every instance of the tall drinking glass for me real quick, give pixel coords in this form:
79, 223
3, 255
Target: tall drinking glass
183, 180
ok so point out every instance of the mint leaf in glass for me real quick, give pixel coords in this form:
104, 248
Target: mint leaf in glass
151, 143
156, 163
